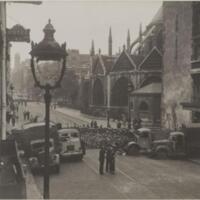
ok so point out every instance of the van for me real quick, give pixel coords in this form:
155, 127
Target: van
71, 145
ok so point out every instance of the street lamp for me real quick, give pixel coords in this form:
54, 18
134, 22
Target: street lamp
108, 118
48, 61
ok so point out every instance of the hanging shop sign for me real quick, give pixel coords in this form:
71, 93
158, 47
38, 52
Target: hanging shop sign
18, 34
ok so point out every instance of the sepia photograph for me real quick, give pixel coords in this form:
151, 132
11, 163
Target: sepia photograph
99, 99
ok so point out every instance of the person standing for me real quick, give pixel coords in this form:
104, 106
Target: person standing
101, 159
112, 161
13, 119
108, 157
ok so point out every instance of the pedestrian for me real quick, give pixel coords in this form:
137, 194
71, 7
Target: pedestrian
101, 159
13, 120
108, 157
119, 124
35, 119
95, 124
28, 115
91, 124
112, 161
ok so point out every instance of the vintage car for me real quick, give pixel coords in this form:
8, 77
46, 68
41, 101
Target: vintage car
142, 140
31, 139
71, 145
173, 146
37, 159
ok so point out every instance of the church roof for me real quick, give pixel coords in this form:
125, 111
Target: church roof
152, 61
153, 88
124, 62
137, 59
108, 62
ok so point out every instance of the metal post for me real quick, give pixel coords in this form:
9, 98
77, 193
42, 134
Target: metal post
129, 112
47, 98
3, 72
108, 118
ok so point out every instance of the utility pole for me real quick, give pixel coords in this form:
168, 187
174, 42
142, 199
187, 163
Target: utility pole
3, 70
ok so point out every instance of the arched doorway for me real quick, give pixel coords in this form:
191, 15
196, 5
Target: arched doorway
98, 94
119, 93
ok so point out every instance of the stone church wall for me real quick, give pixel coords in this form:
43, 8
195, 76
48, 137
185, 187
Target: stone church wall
177, 82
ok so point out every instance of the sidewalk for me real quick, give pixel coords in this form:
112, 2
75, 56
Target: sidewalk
32, 191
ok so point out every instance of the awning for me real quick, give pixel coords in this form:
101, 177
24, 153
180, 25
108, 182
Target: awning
153, 88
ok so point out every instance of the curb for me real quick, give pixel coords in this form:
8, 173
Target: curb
32, 191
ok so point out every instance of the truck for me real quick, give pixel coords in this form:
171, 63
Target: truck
31, 139
182, 143
140, 142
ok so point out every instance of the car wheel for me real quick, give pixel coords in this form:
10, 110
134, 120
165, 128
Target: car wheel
133, 150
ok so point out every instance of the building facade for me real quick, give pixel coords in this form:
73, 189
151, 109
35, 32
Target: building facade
180, 83
138, 65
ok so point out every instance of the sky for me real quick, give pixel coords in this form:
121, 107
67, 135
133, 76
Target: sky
79, 22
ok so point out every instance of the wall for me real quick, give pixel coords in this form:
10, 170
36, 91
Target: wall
177, 82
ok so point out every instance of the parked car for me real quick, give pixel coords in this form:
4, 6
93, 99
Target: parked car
38, 155
31, 139
71, 145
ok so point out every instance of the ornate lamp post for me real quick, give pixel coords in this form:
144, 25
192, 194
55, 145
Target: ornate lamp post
12, 91
48, 61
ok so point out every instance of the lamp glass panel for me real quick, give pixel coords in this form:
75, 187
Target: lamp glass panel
48, 72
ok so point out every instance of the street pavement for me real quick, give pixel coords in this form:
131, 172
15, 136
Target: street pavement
135, 178
67, 116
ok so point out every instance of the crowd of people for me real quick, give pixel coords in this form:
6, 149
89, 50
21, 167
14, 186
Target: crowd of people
95, 138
